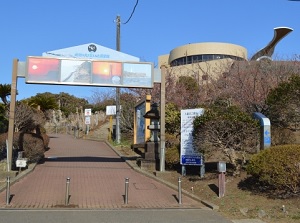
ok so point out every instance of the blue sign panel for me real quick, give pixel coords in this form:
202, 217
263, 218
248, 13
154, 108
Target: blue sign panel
267, 140
191, 160
265, 130
267, 137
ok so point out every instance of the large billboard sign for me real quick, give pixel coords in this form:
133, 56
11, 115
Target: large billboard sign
69, 71
188, 153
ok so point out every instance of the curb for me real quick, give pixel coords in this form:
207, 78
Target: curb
15, 179
135, 167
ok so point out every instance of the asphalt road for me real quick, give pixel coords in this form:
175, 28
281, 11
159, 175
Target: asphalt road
111, 216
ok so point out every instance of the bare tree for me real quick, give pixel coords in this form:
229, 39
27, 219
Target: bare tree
24, 118
249, 83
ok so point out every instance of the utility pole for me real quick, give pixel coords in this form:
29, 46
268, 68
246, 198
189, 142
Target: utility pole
118, 132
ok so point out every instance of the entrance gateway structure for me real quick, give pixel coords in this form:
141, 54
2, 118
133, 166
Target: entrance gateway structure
84, 65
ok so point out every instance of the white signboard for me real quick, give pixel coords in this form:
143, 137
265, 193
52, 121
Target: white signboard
112, 110
87, 112
188, 153
21, 162
87, 120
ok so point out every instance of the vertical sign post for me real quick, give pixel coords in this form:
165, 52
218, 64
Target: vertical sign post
87, 114
188, 153
265, 130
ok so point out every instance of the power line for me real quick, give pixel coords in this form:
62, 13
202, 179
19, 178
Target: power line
137, 1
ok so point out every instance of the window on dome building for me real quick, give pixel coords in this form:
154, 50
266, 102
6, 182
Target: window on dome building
202, 58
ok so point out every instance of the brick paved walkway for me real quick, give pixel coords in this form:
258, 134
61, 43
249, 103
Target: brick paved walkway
97, 176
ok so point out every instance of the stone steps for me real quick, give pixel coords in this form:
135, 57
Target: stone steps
101, 133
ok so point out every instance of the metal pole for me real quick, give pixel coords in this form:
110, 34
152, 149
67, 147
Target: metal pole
67, 192
126, 190
118, 132
183, 170
7, 190
162, 119
77, 123
179, 190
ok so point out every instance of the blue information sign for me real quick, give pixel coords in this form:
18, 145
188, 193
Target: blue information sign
191, 160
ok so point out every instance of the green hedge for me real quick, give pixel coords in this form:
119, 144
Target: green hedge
278, 167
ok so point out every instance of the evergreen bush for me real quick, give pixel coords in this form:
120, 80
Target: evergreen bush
172, 154
33, 145
172, 157
277, 167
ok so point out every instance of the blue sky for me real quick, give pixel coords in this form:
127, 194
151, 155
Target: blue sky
31, 27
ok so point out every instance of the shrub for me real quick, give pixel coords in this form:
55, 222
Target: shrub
33, 147
172, 157
32, 144
3, 138
277, 167
172, 151
282, 136
228, 130
46, 140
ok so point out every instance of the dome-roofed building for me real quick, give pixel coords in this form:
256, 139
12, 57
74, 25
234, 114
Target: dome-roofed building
212, 59
209, 58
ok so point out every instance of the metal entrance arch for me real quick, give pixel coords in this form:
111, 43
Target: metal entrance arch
45, 70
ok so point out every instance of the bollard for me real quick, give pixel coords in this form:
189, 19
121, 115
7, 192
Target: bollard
221, 182
179, 190
221, 178
126, 190
67, 191
7, 190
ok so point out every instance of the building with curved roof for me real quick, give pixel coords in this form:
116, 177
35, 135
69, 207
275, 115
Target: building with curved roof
211, 59
202, 52
208, 58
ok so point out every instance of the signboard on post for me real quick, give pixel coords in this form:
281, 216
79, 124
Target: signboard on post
21, 162
70, 71
141, 132
111, 110
188, 153
87, 112
265, 130
87, 120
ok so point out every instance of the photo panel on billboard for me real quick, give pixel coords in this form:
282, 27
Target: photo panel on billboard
70, 71
75, 71
137, 75
44, 70
106, 73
